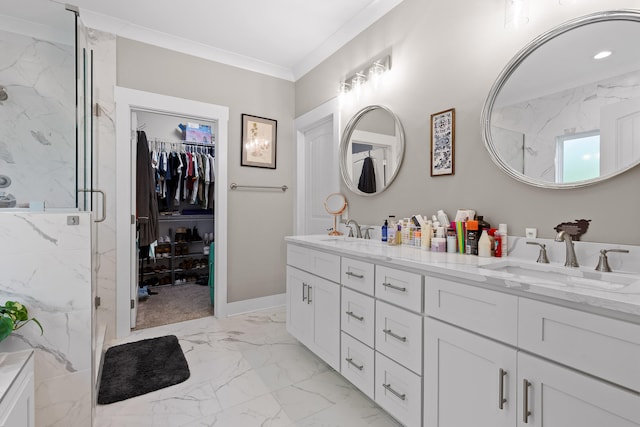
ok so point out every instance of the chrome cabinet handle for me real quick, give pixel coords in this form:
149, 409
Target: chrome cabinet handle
525, 401
357, 276
309, 294
398, 337
350, 313
304, 286
501, 399
397, 288
398, 395
352, 363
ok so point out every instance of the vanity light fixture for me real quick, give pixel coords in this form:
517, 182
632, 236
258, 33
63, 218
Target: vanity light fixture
371, 72
602, 55
516, 13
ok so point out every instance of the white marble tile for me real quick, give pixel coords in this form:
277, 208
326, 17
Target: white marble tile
261, 412
64, 401
308, 397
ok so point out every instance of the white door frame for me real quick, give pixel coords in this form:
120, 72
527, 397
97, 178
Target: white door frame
130, 99
330, 109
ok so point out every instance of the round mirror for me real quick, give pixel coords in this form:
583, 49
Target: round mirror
371, 150
335, 204
565, 111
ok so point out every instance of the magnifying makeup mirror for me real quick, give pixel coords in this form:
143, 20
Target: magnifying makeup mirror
335, 204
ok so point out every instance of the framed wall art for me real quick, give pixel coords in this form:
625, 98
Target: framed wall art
258, 142
443, 142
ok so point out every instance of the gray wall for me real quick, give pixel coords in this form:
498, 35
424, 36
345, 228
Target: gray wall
447, 54
258, 220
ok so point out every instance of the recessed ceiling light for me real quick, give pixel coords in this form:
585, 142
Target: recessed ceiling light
602, 55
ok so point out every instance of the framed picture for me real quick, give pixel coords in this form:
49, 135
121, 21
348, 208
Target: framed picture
258, 142
443, 126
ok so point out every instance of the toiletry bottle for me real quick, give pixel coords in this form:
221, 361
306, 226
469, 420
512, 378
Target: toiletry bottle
502, 228
451, 240
417, 238
391, 230
399, 233
484, 244
472, 237
492, 236
426, 237
497, 244
443, 218
385, 227
482, 224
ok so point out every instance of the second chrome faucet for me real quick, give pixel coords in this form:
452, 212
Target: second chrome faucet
571, 259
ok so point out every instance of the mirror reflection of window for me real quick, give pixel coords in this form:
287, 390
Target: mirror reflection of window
578, 157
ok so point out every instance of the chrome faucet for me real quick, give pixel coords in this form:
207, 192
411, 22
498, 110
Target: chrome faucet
571, 260
358, 231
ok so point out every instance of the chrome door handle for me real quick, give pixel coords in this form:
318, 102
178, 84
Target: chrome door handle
304, 286
309, 294
501, 398
398, 395
352, 363
397, 288
104, 202
525, 401
350, 313
357, 276
398, 337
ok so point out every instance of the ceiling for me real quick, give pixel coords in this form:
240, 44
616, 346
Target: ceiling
283, 38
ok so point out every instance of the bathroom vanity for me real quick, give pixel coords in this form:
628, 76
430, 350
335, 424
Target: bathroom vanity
17, 390
440, 339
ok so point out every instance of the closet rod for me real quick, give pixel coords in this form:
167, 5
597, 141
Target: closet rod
199, 144
235, 186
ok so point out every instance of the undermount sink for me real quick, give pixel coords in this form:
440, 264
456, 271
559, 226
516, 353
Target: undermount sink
568, 276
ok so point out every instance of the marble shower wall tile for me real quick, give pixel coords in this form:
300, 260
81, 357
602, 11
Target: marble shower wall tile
37, 131
47, 265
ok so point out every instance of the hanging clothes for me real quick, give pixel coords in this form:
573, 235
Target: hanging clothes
367, 182
146, 201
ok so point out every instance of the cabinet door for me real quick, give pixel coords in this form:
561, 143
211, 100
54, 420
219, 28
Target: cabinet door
556, 396
469, 380
324, 296
299, 310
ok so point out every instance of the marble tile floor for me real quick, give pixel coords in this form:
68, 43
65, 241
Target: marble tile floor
245, 371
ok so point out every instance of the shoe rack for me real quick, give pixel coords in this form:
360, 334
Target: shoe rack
182, 254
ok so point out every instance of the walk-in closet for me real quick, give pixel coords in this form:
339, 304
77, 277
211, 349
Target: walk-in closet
175, 176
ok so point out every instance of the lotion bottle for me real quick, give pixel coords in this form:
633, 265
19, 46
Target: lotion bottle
502, 229
484, 244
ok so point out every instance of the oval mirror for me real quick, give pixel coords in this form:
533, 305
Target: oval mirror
564, 113
335, 204
371, 150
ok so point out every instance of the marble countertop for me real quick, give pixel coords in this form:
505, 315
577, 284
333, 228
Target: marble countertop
617, 292
11, 364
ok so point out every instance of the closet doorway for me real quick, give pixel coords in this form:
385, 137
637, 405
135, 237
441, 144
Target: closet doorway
129, 105
175, 276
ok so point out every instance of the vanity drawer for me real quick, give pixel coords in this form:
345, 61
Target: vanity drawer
399, 287
316, 262
492, 314
399, 335
357, 275
398, 391
358, 316
603, 347
357, 364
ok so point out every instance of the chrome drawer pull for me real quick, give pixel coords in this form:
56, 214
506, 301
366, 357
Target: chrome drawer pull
397, 288
398, 337
309, 294
350, 313
304, 286
352, 363
501, 398
357, 276
398, 395
525, 401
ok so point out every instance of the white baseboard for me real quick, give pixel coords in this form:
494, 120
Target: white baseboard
255, 304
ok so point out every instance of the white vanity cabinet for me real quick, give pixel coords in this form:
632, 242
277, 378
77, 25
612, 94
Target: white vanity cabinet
473, 379
313, 302
17, 406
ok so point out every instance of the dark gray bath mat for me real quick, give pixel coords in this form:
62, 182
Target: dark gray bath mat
141, 367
